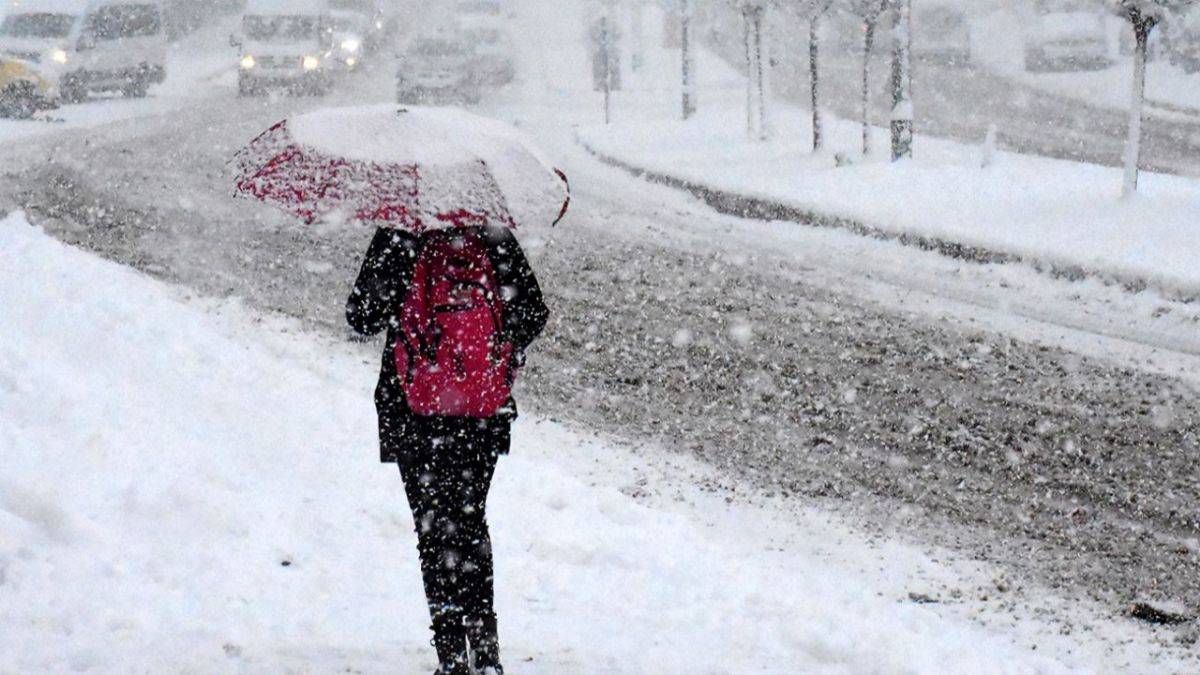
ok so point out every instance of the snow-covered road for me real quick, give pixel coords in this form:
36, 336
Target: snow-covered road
189, 486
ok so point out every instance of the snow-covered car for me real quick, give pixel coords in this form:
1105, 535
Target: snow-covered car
1182, 39
96, 45
23, 92
1066, 35
941, 33
286, 44
437, 70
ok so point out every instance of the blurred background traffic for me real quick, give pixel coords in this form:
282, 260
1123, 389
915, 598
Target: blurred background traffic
55, 52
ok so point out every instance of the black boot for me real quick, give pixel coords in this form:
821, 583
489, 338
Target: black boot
450, 641
484, 637
454, 668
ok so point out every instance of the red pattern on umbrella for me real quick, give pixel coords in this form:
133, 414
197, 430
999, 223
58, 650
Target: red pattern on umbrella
312, 186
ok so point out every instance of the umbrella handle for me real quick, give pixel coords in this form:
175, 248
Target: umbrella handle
567, 202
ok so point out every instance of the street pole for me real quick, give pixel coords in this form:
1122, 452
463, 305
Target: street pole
902, 107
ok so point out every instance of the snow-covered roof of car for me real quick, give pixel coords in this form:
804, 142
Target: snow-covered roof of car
287, 7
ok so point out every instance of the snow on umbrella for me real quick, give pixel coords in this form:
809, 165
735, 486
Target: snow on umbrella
402, 166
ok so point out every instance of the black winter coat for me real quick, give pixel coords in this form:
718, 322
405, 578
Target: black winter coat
374, 306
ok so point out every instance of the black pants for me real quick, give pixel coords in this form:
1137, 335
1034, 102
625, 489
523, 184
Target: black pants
447, 491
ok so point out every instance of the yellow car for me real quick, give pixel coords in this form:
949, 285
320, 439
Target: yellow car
23, 91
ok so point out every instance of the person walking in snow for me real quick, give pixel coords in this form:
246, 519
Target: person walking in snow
460, 307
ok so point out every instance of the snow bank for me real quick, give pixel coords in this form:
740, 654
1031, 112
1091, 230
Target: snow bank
189, 487
1054, 213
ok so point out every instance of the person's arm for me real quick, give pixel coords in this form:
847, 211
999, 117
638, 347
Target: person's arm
386, 272
525, 311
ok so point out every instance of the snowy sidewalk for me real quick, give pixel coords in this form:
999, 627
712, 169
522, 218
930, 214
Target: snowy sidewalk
190, 487
1054, 214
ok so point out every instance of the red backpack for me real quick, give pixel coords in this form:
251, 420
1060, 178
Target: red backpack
450, 353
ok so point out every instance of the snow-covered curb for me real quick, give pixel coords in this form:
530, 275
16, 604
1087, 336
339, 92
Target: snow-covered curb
1154, 255
759, 208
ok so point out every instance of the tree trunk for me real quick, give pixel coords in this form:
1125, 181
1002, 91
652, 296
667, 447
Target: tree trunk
638, 37
750, 116
814, 79
1133, 145
605, 40
689, 94
763, 127
868, 43
902, 108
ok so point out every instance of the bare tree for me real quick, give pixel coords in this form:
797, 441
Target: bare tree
870, 12
687, 58
1143, 16
816, 9
902, 107
752, 12
811, 12
760, 80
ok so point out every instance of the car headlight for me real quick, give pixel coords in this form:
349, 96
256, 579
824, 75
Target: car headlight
59, 56
351, 45
311, 63
248, 62
351, 62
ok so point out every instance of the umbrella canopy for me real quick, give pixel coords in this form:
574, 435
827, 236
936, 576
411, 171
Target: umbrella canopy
402, 166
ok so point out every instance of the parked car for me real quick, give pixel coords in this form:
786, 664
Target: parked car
1181, 39
23, 91
941, 33
89, 46
437, 70
1066, 35
286, 44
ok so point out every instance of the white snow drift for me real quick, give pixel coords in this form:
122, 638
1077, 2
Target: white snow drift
189, 487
